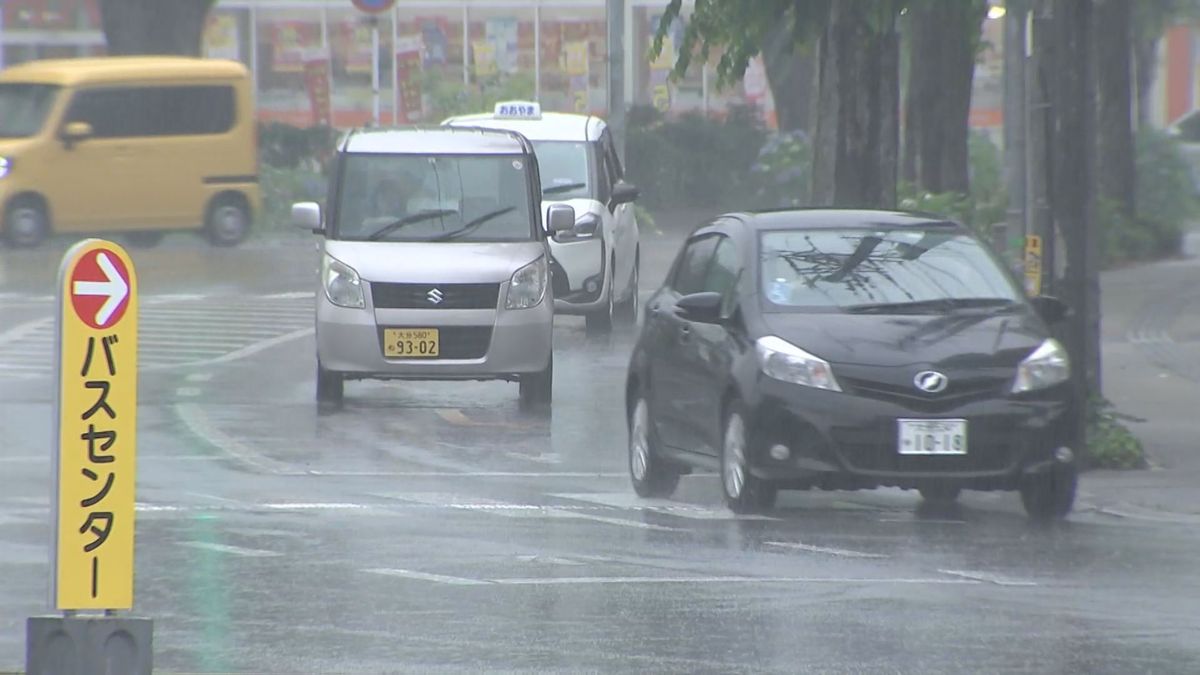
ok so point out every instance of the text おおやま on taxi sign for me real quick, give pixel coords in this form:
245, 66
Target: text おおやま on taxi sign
518, 110
95, 457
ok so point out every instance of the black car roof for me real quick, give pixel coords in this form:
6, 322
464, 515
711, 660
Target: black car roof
822, 217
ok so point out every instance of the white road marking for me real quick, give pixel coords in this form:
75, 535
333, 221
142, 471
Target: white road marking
423, 576
466, 474
234, 550
593, 580
450, 501
199, 377
261, 346
839, 552
987, 577
630, 501
188, 391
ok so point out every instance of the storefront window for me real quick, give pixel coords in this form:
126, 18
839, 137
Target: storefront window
429, 61
574, 54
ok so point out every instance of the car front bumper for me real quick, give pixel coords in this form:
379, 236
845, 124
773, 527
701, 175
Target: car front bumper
846, 440
477, 344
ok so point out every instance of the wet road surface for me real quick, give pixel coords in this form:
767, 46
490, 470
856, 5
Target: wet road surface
430, 527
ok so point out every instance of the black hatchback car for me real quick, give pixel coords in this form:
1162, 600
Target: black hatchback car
849, 349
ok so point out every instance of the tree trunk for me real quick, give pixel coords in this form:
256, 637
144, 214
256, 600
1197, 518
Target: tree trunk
855, 154
1145, 62
154, 26
791, 74
1114, 128
943, 37
1073, 193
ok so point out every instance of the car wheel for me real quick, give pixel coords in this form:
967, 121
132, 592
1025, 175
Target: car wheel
743, 492
628, 312
600, 322
330, 387
1051, 495
144, 239
228, 222
940, 494
651, 476
26, 223
537, 389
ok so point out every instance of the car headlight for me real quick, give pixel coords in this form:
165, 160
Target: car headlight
1047, 366
343, 287
528, 285
785, 361
6, 164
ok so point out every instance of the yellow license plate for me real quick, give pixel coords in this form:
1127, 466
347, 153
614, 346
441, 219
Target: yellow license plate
411, 343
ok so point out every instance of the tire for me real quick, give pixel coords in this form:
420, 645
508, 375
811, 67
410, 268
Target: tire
1050, 496
537, 389
26, 223
627, 312
600, 322
330, 387
148, 239
650, 475
743, 492
940, 494
228, 222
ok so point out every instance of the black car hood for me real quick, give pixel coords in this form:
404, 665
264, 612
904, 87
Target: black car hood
963, 339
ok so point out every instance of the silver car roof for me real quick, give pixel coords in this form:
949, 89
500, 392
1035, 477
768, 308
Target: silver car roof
435, 141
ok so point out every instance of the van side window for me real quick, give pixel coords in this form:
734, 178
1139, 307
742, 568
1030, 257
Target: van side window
126, 112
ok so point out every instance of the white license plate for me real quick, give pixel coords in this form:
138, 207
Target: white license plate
932, 437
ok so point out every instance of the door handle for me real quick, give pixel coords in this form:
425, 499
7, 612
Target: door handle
685, 333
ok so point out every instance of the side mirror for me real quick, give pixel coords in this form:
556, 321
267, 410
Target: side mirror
624, 193
307, 216
560, 218
702, 307
74, 132
1051, 309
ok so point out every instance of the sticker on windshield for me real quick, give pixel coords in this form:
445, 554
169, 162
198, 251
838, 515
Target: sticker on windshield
517, 164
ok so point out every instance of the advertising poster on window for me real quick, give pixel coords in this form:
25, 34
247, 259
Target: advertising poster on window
355, 46
408, 78
577, 71
433, 37
484, 54
317, 84
502, 33
291, 42
221, 37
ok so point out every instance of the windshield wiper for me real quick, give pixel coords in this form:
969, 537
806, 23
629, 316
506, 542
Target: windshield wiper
408, 220
469, 227
563, 188
939, 304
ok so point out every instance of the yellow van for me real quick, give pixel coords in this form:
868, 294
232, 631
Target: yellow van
138, 145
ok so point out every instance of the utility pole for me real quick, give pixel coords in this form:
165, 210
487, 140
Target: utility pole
615, 15
1039, 140
1015, 129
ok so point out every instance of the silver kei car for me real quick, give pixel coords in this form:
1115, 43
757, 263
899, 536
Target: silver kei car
434, 262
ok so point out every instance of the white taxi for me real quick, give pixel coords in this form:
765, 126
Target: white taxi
594, 266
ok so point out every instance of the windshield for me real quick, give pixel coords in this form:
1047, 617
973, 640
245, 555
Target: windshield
24, 107
823, 269
435, 198
564, 168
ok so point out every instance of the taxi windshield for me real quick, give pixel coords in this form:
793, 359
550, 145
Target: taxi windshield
564, 168
24, 107
434, 198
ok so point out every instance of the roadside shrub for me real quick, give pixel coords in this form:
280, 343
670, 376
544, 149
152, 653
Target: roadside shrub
987, 202
447, 96
1110, 444
693, 161
782, 173
281, 187
286, 146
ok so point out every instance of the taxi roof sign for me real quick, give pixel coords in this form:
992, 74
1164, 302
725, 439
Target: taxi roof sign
518, 110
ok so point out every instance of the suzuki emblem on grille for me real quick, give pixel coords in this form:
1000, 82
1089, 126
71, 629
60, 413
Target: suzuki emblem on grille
931, 381
435, 296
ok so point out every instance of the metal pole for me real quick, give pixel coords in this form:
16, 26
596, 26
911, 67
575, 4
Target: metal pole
537, 52
395, 67
615, 19
466, 51
327, 54
374, 71
1015, 131
254, 48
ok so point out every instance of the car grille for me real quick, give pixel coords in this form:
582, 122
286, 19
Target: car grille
435, 296
960, 392
457, 342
